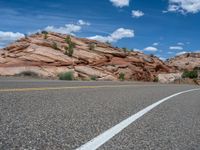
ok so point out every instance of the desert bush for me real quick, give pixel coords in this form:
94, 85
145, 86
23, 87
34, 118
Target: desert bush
66, 76
94, 78
69, 50
44, 32
92, 46
45, 35
155, 79
190, 74
68, 39
55, 46
122, 76
152, 55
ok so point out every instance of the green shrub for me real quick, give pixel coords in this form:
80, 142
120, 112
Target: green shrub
68, 39
122, 76
45, 35
70, 49
66, 76
94, 78
55, 46
190, 74
155, 79
44, 32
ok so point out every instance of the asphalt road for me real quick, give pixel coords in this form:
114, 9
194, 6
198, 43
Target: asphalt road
58, 115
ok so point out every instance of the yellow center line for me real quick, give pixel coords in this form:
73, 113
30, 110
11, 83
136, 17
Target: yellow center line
69, 87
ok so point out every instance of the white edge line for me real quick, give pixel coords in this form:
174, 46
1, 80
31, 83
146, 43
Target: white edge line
107, 135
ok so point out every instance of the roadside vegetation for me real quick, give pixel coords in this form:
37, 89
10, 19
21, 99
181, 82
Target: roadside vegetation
155, 79
93, 78
190, 74
121, 76
66, 76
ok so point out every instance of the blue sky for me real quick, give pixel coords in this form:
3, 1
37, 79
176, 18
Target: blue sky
162, 27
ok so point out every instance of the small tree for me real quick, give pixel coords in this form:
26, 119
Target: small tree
70, 49
45, 35
68, 39
122, 76
44, 32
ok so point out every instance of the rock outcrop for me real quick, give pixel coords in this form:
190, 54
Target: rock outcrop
46, 56
186, 61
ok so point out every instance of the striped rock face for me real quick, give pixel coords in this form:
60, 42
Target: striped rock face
48, 55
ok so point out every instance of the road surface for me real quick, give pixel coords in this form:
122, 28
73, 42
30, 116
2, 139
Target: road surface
59, 115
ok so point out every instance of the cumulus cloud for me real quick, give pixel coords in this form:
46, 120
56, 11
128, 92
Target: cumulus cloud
120, 3
137, 50
68, 28
81, 22
151, 49
8, 37
137, 13
184, 6
176, 48
115, 36
155, 44
180, 43
181, 53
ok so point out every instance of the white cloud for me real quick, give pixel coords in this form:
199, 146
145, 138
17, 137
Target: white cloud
68, 28
137, 13
115, 36
151, 49
184, 6
155, 44
120, 3
81, 22
137, 50
176, 48
181, 53
180, 43
8, 37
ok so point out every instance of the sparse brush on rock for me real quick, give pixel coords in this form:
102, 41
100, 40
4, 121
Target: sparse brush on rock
55, 46
66, 76
70, 49
122, 76
92, 46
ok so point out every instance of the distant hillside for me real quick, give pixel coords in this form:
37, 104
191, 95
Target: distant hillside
50, 54
186, 61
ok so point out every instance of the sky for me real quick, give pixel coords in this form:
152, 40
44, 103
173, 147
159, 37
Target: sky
165, 28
